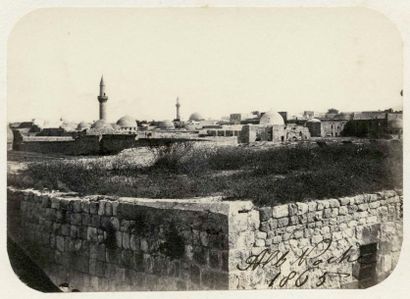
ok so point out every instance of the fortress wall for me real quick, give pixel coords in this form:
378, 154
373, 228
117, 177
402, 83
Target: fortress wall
115, 143
287, 238
98, 243
80, 146
101, 243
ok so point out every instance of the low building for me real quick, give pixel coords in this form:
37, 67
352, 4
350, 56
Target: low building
375, 124
271, 127
222, 131
332, 128
315, 127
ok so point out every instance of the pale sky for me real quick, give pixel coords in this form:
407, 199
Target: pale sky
216, 60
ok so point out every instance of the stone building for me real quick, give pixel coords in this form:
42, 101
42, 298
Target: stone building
244, 118
332, 128
295, 132
271, 127
375, 124
315, 127
223, 130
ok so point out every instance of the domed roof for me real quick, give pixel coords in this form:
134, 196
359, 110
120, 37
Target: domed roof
127, 122
68, 126
271, 118
166, 125
99, 124
196, 116
83, 125
314, 120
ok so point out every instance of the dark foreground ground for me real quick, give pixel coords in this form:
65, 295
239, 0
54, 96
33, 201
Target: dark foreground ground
27, 271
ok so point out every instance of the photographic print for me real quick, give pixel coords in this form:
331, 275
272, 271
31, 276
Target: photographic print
229, 148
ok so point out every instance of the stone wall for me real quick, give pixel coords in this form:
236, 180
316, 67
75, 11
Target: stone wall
81, 145
102, 243
318, 243
84, 145
98, 243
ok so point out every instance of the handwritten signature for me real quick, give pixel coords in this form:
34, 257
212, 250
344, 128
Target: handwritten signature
313, 257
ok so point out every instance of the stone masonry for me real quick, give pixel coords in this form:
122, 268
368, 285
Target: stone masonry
102, 243
324, 230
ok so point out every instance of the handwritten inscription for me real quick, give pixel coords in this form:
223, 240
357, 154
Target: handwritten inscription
312, 257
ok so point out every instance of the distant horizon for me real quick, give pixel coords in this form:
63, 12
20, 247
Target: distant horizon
218, 61
395, 109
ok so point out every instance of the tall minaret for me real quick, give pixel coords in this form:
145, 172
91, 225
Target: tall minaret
178, 118
102, 98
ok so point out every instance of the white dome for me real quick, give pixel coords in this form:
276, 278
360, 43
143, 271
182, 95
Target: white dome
99, 124
196, 116
69, 126
271, 118
166, 125
83, 125
127, 122
314, 120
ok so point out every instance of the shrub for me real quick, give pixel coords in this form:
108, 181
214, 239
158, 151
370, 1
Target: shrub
266, 176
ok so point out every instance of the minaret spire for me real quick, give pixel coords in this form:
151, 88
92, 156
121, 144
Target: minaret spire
177, 105
102, 98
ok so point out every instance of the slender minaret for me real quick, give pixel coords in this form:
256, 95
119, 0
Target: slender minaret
178, 118
102, 98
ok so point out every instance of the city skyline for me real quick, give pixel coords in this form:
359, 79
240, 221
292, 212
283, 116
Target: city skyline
215, 68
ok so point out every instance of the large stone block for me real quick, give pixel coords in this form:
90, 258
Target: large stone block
98, 252
282, 222
101, 207
323, 204
60, 243
312, 206
344, 201
333, 203
265, 213
280, 211
108, 209
94, 205
92, 234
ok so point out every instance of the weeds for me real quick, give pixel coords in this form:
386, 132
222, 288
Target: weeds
266, 176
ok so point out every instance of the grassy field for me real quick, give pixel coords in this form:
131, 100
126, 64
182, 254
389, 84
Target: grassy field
266, 176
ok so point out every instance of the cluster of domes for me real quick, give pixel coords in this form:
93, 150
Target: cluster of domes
271, 118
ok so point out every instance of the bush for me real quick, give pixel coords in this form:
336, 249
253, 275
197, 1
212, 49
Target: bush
266, 176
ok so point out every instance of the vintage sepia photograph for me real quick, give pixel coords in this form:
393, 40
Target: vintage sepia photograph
204, 148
